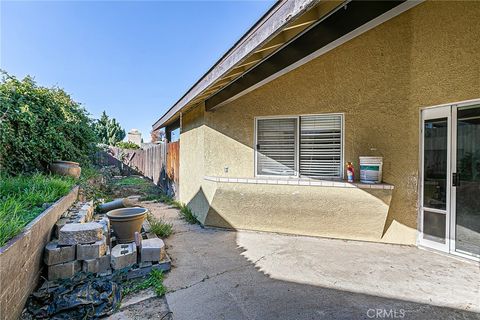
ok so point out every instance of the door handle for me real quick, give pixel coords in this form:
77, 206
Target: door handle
455, 179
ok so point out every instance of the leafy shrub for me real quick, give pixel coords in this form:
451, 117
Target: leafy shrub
39, 125
127, 145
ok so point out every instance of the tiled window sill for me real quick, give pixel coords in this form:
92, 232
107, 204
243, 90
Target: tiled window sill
301, 182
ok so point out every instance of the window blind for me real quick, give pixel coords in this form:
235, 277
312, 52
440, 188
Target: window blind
276, 146
321, 146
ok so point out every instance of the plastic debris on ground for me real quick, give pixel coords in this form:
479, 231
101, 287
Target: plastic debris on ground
83, 297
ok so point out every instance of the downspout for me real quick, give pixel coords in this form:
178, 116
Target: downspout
179, 153
181, 125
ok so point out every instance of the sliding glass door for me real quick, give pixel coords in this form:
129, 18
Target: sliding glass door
466, 186
450, 179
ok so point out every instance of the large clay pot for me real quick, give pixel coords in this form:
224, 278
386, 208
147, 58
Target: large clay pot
66, 168
126, 221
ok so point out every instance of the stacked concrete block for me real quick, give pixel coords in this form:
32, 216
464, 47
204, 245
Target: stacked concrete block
88, 251
124, 255
84, 241
81, 244
63, 270
80, 233
59, 224
71, 229
62, 256
86, 212
81, 212
55, 254
98, 265
91, 244
105, 222
95, 256
152, 250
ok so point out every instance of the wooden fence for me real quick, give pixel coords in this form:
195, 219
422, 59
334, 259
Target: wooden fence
158, 162
173, 162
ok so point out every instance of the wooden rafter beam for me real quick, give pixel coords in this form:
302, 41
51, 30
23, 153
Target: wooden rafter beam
287, 34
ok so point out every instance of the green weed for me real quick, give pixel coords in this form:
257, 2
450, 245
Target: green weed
187, 214
154, 281
160, 227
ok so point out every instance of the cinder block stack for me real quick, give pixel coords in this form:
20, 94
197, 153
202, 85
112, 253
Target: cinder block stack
80, 212
80, 245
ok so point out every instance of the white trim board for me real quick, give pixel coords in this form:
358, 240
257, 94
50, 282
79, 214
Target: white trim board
332, 45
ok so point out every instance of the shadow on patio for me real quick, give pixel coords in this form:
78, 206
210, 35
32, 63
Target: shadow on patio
222, 274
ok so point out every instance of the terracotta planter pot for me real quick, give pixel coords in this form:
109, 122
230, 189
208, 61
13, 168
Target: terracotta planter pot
66, 168
126, 221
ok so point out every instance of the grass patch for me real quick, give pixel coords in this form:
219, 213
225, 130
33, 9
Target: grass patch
160, 227
154, 281
150, 197
132, 181
156, 197
22, 199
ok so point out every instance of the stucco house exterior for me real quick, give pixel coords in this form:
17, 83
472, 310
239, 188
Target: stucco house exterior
266, 132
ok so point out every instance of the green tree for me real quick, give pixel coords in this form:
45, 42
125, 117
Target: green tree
108, 130
39, 125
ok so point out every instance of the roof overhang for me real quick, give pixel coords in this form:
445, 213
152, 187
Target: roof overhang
289, 33
285, 20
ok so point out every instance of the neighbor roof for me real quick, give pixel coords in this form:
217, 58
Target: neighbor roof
286, 20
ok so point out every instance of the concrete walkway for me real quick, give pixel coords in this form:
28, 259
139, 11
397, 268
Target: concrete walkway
221, 274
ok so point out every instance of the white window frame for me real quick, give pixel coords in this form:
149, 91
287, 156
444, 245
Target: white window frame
297, 146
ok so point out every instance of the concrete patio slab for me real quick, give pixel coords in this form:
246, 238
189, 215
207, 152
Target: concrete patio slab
220, 274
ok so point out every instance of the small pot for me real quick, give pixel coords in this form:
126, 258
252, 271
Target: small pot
126, 221
66, 168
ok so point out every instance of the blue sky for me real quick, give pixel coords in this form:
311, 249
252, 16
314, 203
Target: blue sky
132, 59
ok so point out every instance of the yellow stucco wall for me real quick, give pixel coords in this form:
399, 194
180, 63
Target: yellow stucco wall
426, 56
192, 161
326, 211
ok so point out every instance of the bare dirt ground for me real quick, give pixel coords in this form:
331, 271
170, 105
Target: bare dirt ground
146, 308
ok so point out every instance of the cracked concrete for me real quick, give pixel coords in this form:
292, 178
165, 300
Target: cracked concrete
220, 274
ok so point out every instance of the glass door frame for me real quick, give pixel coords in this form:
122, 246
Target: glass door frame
453, 188
431, 113
449, 111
